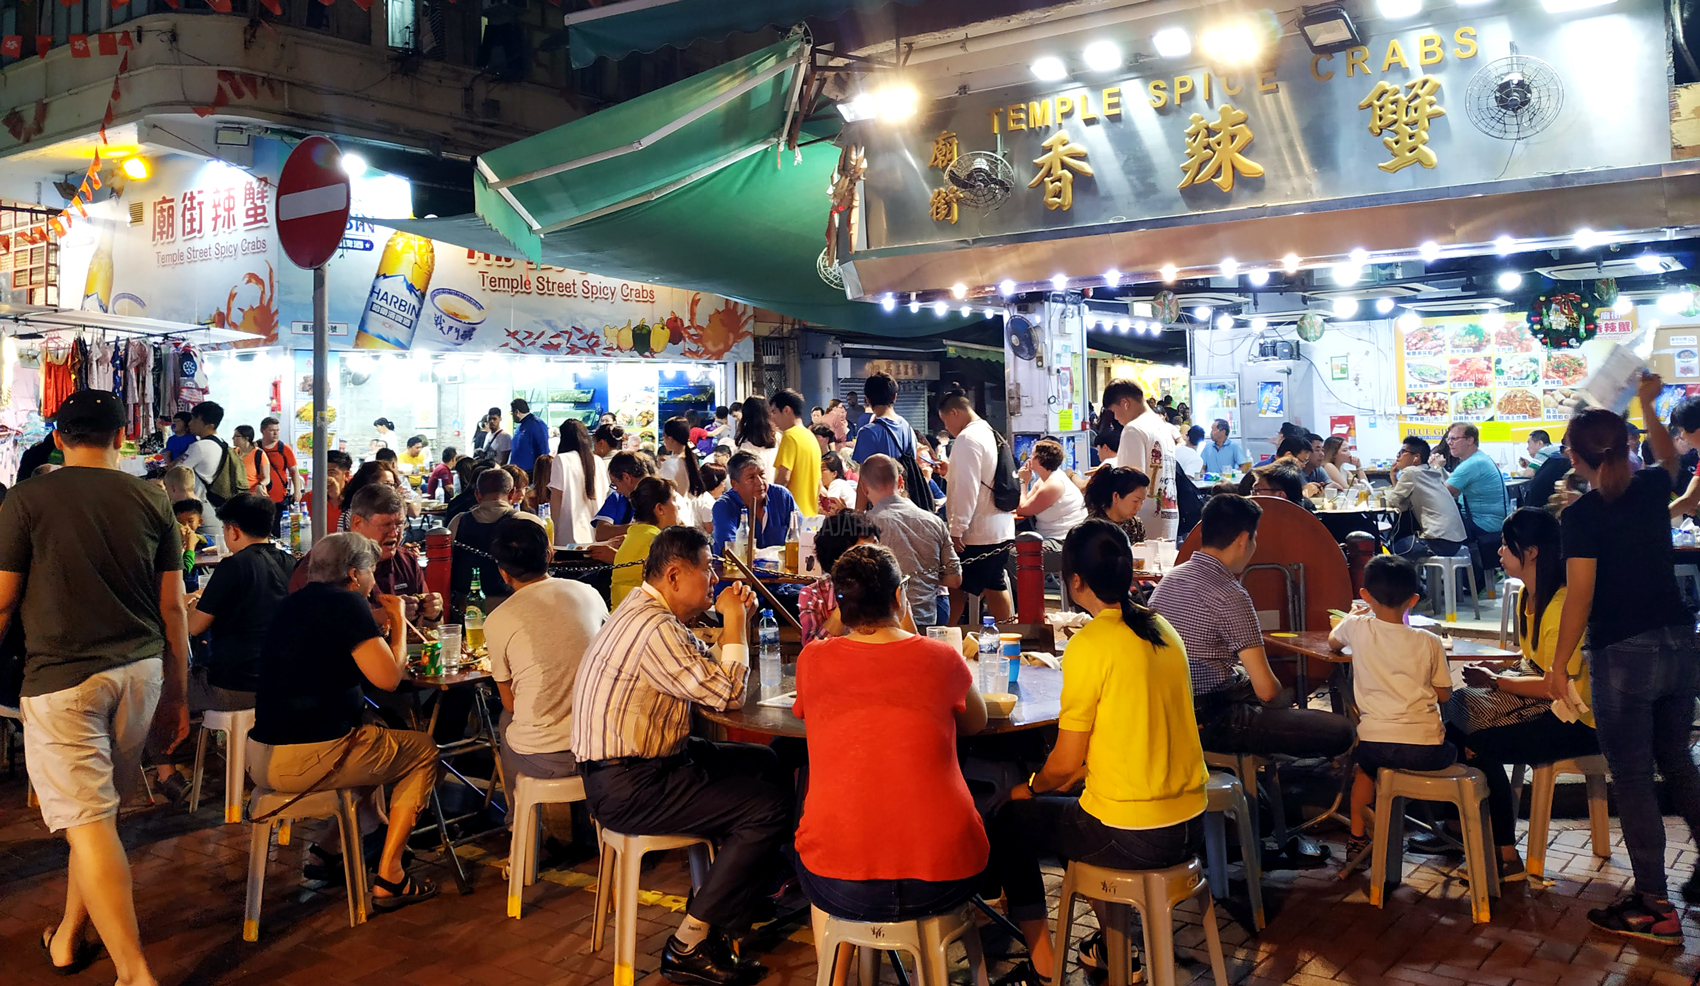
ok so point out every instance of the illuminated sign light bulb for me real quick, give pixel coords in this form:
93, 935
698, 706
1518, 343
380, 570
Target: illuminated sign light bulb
1509, 280
1059, 281
1259, 323
136, 168
1102, 56
1409, 322
1290, 263
959, 290
1006, 287
1587, 239
897, 103
939, 308
1112, 277
1345, 307
1651, 263
1231, 44
1347, 273
1504, 244
1225, 321
1124, 325
1429, 251
967, 310
1167, 272
1493, 321
914, 304
1172, 42
1258, 278
991, 313
1202, 313
1230, 267
353, 165
1049, 69
1384, 305
1623, 305
889, 302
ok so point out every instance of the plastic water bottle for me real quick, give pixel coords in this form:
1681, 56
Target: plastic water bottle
994, 670
767, 633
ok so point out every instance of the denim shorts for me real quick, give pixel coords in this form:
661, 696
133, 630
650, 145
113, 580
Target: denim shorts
884, 900
1372, 756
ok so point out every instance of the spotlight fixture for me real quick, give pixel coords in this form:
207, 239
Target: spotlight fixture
1235, 43
136, 168
991, 313
1409, 322
966, 310
1258, 278
1587, 239
1509, 280
1059, 282
1396, 9
1345, 307
1124, 325
1623, 306
1224, 321
1494, 320
959, 290
1006, 287
1651, 263
1290, 263
1102, 56
1504, 244
939, 308
889, 302
1359, 256
1167, 272
1429, 251
1230, 267
896, 103
1328, 28
1259, 323
1049, 69
1202, 313
1172, 42
353, 165
1384, 306
1112, 278
914, 304
1347, 273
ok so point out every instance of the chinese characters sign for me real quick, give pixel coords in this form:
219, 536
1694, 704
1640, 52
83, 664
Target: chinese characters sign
1403, 113
1214, 151
239, 204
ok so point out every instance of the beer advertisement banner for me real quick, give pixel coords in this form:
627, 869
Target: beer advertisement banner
196, 243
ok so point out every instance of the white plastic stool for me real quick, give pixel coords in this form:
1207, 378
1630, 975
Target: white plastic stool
1593, 770
1508, 611
927, 940
528, 793
1249, 768
1154, 894
234, 726
1227, 797
617, 886
1448, 571
1463, 786
337, 803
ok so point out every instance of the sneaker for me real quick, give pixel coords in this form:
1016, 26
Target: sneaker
1095, 956
1356, 844
1636, 915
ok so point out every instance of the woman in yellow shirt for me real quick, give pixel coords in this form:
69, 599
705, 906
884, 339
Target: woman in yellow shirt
1530, 550
1126, 728
652, 510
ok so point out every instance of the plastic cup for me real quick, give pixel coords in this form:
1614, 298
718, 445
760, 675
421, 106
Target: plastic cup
1012, 653
449, 635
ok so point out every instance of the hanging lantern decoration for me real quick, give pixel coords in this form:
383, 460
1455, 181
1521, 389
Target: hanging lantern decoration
1168, 307
1605, 291
1563, 319
1310, 326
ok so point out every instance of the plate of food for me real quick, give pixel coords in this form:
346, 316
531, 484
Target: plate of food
1430, 404
1565, 369
1514, 337
1468, 338
1472, 403
1517, 371
1425, 340
1424, 375
1519, 403
1472, 371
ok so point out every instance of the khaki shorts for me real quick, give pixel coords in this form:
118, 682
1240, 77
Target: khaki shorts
83, 745
380, 756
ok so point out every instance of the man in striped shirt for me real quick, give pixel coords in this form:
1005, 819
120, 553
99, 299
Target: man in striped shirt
645, 775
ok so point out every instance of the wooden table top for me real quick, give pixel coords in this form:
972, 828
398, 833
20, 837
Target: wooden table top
1038, 703
1314, 643
443, 682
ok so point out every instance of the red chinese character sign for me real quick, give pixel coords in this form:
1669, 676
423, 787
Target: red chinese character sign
312, 203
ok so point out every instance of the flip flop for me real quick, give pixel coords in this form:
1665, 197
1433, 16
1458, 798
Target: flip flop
82, 956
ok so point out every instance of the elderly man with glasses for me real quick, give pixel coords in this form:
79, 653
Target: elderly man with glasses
379, 512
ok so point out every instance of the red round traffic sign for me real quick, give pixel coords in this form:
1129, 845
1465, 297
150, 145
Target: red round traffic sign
312, 202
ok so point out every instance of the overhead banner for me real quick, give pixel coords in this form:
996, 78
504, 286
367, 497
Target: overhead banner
1418, 110
197, 243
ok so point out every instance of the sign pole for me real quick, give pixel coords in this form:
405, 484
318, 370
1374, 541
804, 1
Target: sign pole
321, 367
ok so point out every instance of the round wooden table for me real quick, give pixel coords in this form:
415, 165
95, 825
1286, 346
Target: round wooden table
1314, 644
1038, 703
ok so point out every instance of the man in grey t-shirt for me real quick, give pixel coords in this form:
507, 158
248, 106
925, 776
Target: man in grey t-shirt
919, 539
106, 658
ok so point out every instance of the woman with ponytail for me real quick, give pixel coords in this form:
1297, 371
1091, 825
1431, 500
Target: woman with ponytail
577, 483
1127, 728
685, 473
1642, 660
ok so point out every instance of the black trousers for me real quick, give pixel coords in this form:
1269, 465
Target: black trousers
1540, 740
1232, 720
729, 792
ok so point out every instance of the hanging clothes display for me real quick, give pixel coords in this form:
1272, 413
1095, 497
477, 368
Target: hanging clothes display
56, 379
138, 388
191, 378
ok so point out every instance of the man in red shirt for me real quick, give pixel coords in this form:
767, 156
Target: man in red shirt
284, 486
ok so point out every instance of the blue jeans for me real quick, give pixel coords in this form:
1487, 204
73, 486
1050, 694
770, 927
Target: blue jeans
1644, 691
884, 900
1372, 756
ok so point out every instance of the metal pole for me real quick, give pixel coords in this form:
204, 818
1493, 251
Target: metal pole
321, 368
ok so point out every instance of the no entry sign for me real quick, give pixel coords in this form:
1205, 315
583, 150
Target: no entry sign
312, 202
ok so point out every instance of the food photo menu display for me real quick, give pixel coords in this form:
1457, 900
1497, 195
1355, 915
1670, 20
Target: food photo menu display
1482, 368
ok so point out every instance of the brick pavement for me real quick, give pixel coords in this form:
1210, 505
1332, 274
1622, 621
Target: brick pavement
190, 871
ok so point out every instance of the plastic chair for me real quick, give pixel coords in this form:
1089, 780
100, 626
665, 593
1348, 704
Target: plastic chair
1463, 786
617, 887
926, 939
339, 804
1593, 770
1250, 769
1448, 568
234, 726
1154, 894
1508, 613
1227, 797
528, 793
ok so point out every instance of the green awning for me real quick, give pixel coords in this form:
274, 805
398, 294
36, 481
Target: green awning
617, 30
642, 148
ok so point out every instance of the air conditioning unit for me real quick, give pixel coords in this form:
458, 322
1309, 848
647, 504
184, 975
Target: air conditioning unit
1282, 350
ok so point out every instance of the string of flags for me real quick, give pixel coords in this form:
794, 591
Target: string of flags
107, 43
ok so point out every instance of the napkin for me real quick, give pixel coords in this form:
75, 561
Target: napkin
1570, 708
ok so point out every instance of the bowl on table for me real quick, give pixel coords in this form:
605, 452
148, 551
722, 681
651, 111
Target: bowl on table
999, 704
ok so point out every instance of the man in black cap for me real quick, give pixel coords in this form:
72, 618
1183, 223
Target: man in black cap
107, 658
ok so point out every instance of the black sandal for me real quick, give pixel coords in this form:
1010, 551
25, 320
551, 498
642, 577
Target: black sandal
82, 956
409, 890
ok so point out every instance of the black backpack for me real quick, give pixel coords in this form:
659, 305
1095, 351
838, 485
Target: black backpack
914, 480
230, 478
1006, 489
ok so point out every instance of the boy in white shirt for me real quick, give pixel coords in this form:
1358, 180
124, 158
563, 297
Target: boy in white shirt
1399, 680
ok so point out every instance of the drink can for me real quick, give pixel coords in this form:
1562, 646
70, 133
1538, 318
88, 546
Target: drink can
432, 652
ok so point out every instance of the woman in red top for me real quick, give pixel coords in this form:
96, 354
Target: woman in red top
884, 709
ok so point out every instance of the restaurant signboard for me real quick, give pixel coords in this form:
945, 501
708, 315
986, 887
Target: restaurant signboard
1418, 111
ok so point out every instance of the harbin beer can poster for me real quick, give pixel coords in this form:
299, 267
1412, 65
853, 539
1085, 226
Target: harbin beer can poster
205, 252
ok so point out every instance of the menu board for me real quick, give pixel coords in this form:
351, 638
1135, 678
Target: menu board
1471, 368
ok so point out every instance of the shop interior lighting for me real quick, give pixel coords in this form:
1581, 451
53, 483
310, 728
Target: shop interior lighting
889, 302
914, 303
1112, 277
1167, 272
1473, 3
1509, 280
1102, 56
1566, 6
1384, 306
1006, 287
1328, 28
1395, 9
353, 165
939, 308
136, 168
896, 103
1172, 42
863, 107
1494, 320
1347, 273
959, 290
1504, 244
1652, 263
1059, 282
1234, 43
1409, 322
991, 313
1345, 307
1202, 313
1290, 263
1623, 306
1049, 69
1258, 278
1675, 301
1587, 239
1359, 256
1225, 321
1259, 323
1429, 251
1230, 267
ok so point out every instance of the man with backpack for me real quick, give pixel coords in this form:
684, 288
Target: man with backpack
885, 432
218, 474
283, 485
979, 506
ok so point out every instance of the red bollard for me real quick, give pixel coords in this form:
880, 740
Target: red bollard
438, 556
1029, 579
1360, 548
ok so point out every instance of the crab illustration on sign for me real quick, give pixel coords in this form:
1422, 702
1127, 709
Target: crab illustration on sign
727, 326
259, 319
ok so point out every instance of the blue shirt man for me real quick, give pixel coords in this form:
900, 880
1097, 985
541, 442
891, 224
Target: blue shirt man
884, 434
1222, 454
1476, 482
749, 486
531, 436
